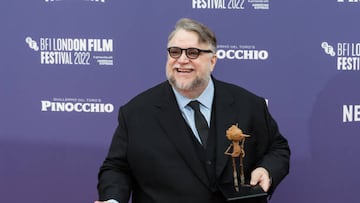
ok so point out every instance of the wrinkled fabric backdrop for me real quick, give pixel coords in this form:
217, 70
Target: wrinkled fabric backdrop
68, 65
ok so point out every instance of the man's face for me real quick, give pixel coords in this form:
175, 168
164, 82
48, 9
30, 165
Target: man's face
189, 75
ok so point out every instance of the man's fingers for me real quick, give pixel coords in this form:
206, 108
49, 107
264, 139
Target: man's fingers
255, 178
260, 176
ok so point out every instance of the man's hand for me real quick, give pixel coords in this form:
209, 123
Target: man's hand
108, 201
261, 176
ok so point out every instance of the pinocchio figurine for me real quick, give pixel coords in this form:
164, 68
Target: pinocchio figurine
237, 138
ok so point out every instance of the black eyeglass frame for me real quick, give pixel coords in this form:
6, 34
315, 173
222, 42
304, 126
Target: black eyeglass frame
199, 51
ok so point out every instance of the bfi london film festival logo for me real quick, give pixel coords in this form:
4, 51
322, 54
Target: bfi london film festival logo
73, 51
347, 55
77, 105
230, 4
241, 52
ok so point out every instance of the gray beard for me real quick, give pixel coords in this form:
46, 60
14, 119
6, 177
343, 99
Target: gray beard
197, 83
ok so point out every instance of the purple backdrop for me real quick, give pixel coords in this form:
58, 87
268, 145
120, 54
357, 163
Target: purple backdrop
67, 65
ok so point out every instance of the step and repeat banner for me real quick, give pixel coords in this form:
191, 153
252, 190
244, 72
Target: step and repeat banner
68, 65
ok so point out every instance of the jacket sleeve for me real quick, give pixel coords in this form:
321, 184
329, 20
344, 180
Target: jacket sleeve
277, 157
114, 178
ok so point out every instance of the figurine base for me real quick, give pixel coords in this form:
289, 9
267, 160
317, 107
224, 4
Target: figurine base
245, 191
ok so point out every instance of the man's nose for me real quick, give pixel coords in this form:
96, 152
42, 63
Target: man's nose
183, 58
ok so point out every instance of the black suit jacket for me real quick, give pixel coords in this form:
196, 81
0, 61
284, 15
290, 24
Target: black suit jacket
152, 157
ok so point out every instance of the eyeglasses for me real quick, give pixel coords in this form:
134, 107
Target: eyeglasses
191, 53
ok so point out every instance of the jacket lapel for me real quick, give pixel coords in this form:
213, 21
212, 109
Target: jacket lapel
225, 116
175, 127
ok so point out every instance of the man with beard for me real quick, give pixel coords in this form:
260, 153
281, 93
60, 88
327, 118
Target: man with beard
159, 153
